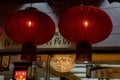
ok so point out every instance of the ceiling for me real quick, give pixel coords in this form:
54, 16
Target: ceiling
52, 1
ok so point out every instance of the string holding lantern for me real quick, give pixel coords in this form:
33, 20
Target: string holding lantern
29, 27
85, 25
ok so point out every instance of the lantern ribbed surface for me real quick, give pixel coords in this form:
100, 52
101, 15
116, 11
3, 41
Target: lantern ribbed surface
85, 24
29, 26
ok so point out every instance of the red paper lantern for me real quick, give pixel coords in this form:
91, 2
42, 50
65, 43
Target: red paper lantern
85, 25
29, 27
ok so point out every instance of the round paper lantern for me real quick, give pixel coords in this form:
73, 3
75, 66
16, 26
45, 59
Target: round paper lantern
62, 63
29, 27
85, 25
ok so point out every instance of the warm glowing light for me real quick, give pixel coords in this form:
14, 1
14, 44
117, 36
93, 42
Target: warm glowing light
62, 63
29, 23
20, 75
86, 23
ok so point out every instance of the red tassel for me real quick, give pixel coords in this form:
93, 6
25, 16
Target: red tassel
84, 52
28, 52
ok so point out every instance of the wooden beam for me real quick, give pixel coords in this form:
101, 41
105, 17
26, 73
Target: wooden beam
104, 58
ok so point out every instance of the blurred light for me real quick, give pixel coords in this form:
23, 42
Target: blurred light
20, 74
62, 63
29, 23
86, 24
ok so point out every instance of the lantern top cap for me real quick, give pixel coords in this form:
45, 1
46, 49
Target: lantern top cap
30, 8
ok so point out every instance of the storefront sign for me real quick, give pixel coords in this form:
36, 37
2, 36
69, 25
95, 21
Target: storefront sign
56, 42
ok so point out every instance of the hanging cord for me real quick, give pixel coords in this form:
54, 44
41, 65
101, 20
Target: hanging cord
31, 4
47, 76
